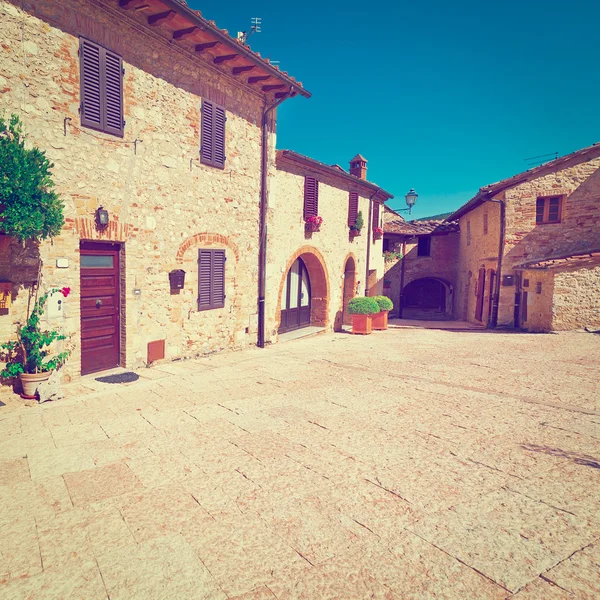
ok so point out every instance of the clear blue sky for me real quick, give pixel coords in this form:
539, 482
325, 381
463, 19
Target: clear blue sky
441, 96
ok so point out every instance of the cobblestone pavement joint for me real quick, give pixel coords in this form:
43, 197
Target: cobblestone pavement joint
409, 464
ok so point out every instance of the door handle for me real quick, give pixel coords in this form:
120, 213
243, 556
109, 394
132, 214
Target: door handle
98, 303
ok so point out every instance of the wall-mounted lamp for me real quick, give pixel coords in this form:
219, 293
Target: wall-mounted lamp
101, 218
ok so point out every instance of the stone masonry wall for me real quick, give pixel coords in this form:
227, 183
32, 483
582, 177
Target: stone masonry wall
326, 252
482, 251
540, 291
576, 299
163, 204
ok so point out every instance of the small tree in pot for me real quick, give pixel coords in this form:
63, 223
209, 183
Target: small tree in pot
26, 357
362, 308
380, 320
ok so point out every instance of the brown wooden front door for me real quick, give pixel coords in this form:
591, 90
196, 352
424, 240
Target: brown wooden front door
100, 306
480, 295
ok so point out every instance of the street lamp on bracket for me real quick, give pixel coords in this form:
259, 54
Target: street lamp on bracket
411, 199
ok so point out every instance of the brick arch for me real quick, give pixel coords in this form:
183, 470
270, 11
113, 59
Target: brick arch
206, 238
319, 285
348, 288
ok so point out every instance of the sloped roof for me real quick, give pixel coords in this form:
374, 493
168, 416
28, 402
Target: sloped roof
581, 258
489, 191
335, 171
394, 223
188, 29
359, 157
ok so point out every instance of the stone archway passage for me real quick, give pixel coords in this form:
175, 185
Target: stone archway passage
425, 298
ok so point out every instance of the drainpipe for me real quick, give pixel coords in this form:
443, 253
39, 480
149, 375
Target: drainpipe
369, 237
493, 323
401, 297
264, 205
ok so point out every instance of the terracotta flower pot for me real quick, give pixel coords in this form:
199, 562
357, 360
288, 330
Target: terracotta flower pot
30, 382
361, 324
380, 320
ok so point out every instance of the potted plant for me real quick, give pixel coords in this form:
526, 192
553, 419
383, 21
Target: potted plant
358, 225
362, 308
26, 357
313, 224
377, 233
380, 320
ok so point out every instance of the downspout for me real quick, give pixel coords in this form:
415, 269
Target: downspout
369, 237
264, 206
401, 297
496, 299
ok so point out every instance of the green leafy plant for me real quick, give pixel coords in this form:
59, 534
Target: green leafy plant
384, 302
359, 223
392, 255
29, 208
28, 353
363, 305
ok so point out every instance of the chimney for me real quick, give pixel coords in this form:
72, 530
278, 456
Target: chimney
358, 167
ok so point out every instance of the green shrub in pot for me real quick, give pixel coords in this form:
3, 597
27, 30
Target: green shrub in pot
384, 303
363, 305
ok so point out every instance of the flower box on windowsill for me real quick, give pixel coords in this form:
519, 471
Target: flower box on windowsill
313, 224
377, 233
354, 232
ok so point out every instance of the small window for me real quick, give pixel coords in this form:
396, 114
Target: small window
211, 279
101, 88
468, 233
311, 197
548, 209
96, 261
212, 135
485, 223
424, 246
538, 287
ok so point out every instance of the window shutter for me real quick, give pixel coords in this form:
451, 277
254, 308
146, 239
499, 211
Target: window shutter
206, 134
218, 279
204, 279
311, 197
352, 208
219, 137
90, 69
375, 215
113, 90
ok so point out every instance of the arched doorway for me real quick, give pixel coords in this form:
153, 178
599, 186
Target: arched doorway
295, 298
349, 288
427, 298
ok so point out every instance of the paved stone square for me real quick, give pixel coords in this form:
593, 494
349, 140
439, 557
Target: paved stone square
409, 464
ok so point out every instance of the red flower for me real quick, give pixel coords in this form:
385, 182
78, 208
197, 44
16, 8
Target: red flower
65, 291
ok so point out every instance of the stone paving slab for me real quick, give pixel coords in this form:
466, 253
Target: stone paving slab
409, 464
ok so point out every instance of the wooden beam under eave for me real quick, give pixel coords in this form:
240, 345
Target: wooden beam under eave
182, 34
129, 4
207, 45
282, 94
238, 70
221, 59
270, 88
162, 17
258, 78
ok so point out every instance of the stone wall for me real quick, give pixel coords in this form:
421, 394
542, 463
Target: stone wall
476, 250
163, 204
576, 299
539, 286
325, 252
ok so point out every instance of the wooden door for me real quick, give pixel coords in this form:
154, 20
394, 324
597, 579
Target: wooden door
480, 295
100, 306
492, 281
295, 299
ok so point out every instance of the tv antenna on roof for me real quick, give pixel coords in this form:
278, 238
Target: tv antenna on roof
255, 27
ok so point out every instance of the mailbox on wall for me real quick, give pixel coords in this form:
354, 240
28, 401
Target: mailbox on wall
177, 279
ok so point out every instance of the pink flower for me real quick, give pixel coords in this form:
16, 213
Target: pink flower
65, 291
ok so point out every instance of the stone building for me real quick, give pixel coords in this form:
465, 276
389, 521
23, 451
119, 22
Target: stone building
151, 113
525, 254
529, 253
420, 266
312, 275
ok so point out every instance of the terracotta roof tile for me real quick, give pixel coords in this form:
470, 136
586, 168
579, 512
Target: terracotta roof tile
394, 223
